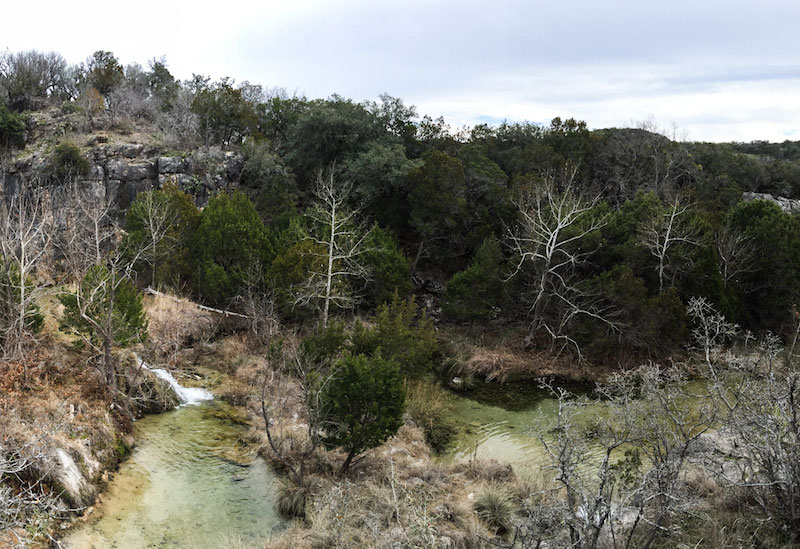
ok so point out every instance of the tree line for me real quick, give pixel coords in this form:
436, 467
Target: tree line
595, 240
594, 243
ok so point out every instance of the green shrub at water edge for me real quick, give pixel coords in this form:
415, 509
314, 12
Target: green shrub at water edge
362, 405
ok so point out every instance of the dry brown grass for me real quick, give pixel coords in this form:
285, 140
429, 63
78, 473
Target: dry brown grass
175, 324
510, 364
398, 496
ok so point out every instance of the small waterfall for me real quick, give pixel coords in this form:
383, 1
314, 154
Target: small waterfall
187, 395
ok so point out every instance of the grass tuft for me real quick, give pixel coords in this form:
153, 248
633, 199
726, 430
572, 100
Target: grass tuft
495, 507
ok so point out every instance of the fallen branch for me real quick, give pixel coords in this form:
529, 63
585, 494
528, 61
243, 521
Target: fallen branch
151, 291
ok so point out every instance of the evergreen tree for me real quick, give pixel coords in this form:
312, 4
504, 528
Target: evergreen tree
474, 293
400, 332
389, 268
362, 405
229, 241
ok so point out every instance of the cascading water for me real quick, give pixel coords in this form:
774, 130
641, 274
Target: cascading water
189, 483
187, 395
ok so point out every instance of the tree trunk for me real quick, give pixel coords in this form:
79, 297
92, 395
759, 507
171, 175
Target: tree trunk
111, 374
329, 280
348, 460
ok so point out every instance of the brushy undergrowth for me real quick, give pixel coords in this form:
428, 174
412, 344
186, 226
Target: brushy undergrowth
428, 406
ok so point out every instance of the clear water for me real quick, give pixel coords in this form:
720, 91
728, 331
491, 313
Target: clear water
497, 421
189, 483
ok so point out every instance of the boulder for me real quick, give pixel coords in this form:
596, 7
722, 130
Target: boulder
171, 165
130, 150
116, 168
119, 169
77, 488
95, 173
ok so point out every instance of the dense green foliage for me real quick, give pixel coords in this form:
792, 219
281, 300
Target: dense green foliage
400, 332
225, 115
12, 129
231, 248
105, 307
554, 238
389, 269
104, 72
444, 207
475, 293
772, 287
362, 405
67, 162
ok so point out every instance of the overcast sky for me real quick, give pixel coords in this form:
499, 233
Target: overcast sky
721, 70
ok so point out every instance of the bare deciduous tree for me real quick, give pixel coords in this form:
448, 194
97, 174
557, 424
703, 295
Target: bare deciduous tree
258, 304
151, 220
25, 233
620, 476
291, 382
85, 226
550, 243
180, 123
341, 237
735, 253
102, 310
666, 235
759, 454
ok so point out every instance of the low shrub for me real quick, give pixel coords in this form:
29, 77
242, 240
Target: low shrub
292, 501
428, 407
67, 162
12, 129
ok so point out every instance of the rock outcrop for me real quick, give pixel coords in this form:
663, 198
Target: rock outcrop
788, 205
122, 166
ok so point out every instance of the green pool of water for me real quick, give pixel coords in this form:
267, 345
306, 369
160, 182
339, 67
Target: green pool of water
496, 422
189, 483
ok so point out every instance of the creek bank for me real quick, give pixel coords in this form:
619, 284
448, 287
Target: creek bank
80, 465
190, 482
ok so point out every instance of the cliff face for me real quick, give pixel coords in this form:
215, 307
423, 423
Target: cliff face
122, 162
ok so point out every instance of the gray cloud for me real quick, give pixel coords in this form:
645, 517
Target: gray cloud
714, 66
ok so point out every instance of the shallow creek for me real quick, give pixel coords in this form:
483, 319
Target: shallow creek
190, 484
187, 484
494, 422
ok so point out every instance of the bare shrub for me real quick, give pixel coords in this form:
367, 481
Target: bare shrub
180, 124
